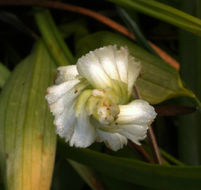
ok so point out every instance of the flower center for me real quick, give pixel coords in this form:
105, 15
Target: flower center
106, 113
105, 109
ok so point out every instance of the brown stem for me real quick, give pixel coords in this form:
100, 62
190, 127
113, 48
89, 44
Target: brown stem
141, 150
167, 58
151, 136
109, 22
137, 94
154, 145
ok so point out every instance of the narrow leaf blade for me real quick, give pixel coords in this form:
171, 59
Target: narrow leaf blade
52, 38
164, 12
27, 135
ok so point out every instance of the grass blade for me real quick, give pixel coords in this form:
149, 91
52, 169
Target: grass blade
135, 30
52, 38
165, 13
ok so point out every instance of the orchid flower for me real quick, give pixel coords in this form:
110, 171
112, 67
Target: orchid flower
93, 100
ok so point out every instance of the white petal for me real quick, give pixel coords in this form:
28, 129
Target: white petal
134, 132
66, 73
121, 57
134, 68
65, 122
114, 141
137, 112
106, 56
90, 68
84, 133
66, 99
56, 91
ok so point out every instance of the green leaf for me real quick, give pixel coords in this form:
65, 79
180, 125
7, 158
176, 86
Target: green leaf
138, 172
27, 134
4, 74
158, 80
164, 12
52, 38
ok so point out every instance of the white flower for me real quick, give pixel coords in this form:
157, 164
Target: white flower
91, 100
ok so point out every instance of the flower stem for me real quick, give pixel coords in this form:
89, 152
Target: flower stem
151, 135
154, 145
137, 94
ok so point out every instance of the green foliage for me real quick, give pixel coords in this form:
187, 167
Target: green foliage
27, 137
27, 134
52, 38
134, 171
165, 13
190, 47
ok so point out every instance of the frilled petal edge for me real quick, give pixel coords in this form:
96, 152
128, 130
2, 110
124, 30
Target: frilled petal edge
137, 112
134, 68
56, 92
134, 119
66, 73
135, 133
84, 133
114, 141
65, 122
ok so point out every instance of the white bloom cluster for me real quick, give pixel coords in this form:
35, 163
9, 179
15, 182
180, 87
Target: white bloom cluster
91, 100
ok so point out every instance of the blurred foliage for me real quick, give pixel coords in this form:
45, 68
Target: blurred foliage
59, 37
190, 47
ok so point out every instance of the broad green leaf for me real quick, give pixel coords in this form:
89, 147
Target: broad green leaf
52, 38
27, 134
138, 172
158, 80
4, 74
164, 12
